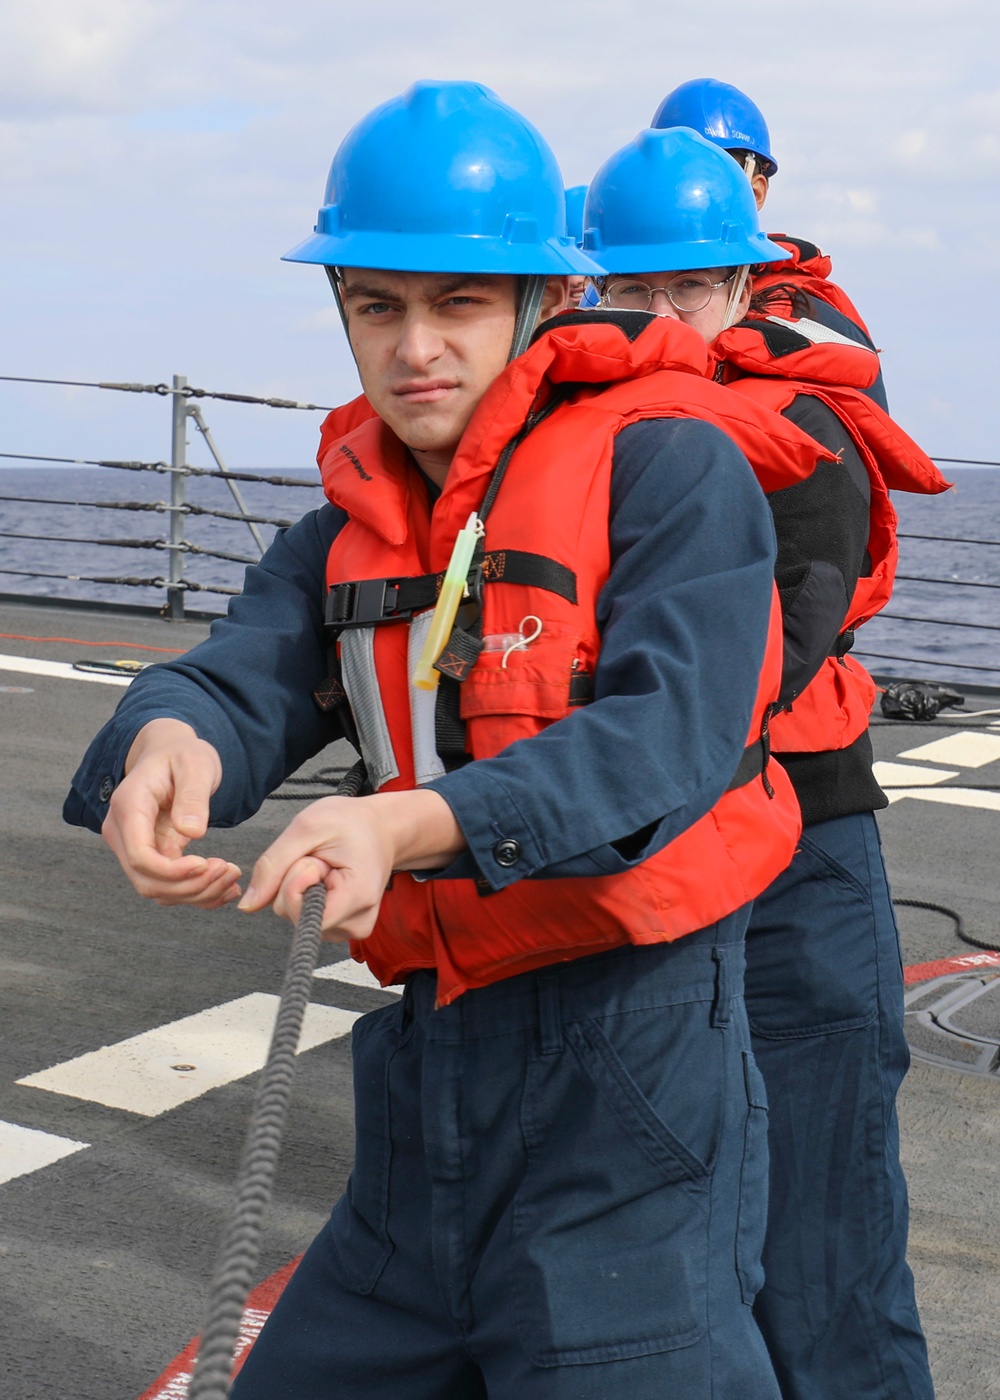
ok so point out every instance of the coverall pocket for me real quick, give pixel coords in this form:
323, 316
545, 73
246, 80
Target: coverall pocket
812, 941
611, 1238
752, 1217
358, 1227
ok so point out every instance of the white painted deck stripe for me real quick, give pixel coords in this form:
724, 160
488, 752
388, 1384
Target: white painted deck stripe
355, 974
954, 796
966, 748
896, 773
32, 666
163, 1068
26, 1150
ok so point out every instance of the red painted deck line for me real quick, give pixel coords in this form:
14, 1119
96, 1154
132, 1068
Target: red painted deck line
174, 1382
964, 962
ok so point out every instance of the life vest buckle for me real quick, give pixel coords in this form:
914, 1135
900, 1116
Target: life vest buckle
364, 603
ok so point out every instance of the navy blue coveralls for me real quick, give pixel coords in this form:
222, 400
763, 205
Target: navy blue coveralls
824, 995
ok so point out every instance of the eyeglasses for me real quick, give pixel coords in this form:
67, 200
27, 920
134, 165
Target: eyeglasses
691, 291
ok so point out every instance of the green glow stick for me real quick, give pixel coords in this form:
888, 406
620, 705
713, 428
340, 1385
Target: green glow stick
425, 677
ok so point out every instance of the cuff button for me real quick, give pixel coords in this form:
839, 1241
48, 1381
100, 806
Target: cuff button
507, 852
107, 788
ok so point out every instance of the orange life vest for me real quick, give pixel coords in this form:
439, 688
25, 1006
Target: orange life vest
554, 505
770, 363
808, 270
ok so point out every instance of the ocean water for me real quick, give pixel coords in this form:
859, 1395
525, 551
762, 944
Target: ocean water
61, 525
955, 635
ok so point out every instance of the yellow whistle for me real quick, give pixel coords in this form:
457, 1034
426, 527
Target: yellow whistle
425, 677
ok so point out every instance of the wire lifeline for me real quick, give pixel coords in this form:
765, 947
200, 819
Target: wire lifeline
161, 506
241, 1242
90, 462
941, 621
162, 390
944, 539
919, 661
187, 586
164, 468
947, 582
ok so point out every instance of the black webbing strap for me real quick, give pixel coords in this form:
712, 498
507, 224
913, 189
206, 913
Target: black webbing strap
843, 644
533, 570
752, 764
449, 726
370, 602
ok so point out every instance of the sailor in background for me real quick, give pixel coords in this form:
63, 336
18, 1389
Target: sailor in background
729, 119
824, 982
561, 1148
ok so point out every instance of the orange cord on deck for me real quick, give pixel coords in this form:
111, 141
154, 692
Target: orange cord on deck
77, 642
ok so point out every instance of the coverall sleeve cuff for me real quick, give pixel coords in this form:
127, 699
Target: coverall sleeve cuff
103, 768
500, 843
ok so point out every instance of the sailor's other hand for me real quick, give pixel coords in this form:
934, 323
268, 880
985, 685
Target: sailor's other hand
158, 808
352, 845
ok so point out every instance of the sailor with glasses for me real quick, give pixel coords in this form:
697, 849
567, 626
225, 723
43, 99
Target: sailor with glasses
823, 982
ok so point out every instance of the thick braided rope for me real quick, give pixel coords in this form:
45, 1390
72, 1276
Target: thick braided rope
955, 916
240, 1249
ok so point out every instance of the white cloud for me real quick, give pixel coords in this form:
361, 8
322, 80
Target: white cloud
158, 156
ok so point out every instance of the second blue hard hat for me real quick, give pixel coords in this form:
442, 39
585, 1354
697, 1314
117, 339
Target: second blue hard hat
671, 201
445, 178
722, 114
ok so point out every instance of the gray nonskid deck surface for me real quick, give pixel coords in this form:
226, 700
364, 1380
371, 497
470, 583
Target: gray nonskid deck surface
107, 1252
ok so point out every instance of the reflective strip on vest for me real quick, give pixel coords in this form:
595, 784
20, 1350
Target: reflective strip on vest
816, 332
423, 706
357, 661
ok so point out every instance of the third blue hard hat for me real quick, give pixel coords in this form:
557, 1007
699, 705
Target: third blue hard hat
722, 114
671, 201
445, 178
576, 198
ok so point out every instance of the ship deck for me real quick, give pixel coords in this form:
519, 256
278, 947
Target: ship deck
122, 1116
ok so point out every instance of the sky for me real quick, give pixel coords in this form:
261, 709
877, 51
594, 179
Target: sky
158, 156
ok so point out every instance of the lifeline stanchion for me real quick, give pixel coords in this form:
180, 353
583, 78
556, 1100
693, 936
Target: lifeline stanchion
241, 1244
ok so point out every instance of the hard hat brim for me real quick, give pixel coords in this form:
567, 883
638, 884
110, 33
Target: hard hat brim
689, 257
408, 252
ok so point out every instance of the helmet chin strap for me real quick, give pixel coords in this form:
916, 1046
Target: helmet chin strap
333, 273
531, 293
529, 305
735, 294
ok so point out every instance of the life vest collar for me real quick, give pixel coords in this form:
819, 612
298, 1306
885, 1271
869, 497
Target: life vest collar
800, 349
370, 475
806, 256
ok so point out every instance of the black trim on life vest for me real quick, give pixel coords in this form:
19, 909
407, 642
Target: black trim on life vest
780, 340
753, 763
807, 251
370, 602
630, 323
843, 644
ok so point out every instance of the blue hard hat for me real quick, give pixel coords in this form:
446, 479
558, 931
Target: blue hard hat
576, 198
722, 114
671, 201
445, 178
